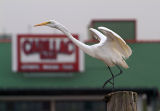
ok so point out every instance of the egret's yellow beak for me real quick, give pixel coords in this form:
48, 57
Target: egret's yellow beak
41, 24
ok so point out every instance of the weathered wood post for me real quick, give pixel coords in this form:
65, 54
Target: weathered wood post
121, 101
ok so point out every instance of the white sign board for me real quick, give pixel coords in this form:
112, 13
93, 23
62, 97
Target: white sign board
46, 53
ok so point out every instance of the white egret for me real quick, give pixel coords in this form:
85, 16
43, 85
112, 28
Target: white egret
111, 49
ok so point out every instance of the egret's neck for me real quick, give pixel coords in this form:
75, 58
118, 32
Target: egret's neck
86, 48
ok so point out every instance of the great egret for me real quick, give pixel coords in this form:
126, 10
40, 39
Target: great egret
111, 49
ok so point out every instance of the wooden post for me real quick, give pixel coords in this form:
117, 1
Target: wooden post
121, 101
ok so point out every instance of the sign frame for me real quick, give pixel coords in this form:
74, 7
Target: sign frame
78, 64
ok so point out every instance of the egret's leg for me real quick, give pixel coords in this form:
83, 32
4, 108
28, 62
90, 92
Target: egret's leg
112, 75
120, 71
112, 78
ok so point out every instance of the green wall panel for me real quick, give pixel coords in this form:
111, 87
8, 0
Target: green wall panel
125, 28
144, 71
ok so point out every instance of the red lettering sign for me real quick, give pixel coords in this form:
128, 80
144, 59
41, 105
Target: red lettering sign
43, 48
41, 53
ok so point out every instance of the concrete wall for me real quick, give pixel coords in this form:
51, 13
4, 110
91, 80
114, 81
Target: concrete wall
18, 16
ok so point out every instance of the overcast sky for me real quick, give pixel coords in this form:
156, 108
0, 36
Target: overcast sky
18, 16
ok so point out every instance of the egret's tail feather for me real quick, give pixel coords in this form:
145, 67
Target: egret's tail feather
124, 64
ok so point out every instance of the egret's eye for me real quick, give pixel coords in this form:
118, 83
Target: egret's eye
48, 22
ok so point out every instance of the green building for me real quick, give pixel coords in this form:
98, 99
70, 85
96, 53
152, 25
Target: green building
80, 91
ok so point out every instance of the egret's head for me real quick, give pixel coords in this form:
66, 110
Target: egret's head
50, 23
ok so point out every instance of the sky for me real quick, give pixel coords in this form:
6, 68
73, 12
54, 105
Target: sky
19, 16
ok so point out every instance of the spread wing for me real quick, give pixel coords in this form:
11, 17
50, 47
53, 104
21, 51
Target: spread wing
98, 35
119, 44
